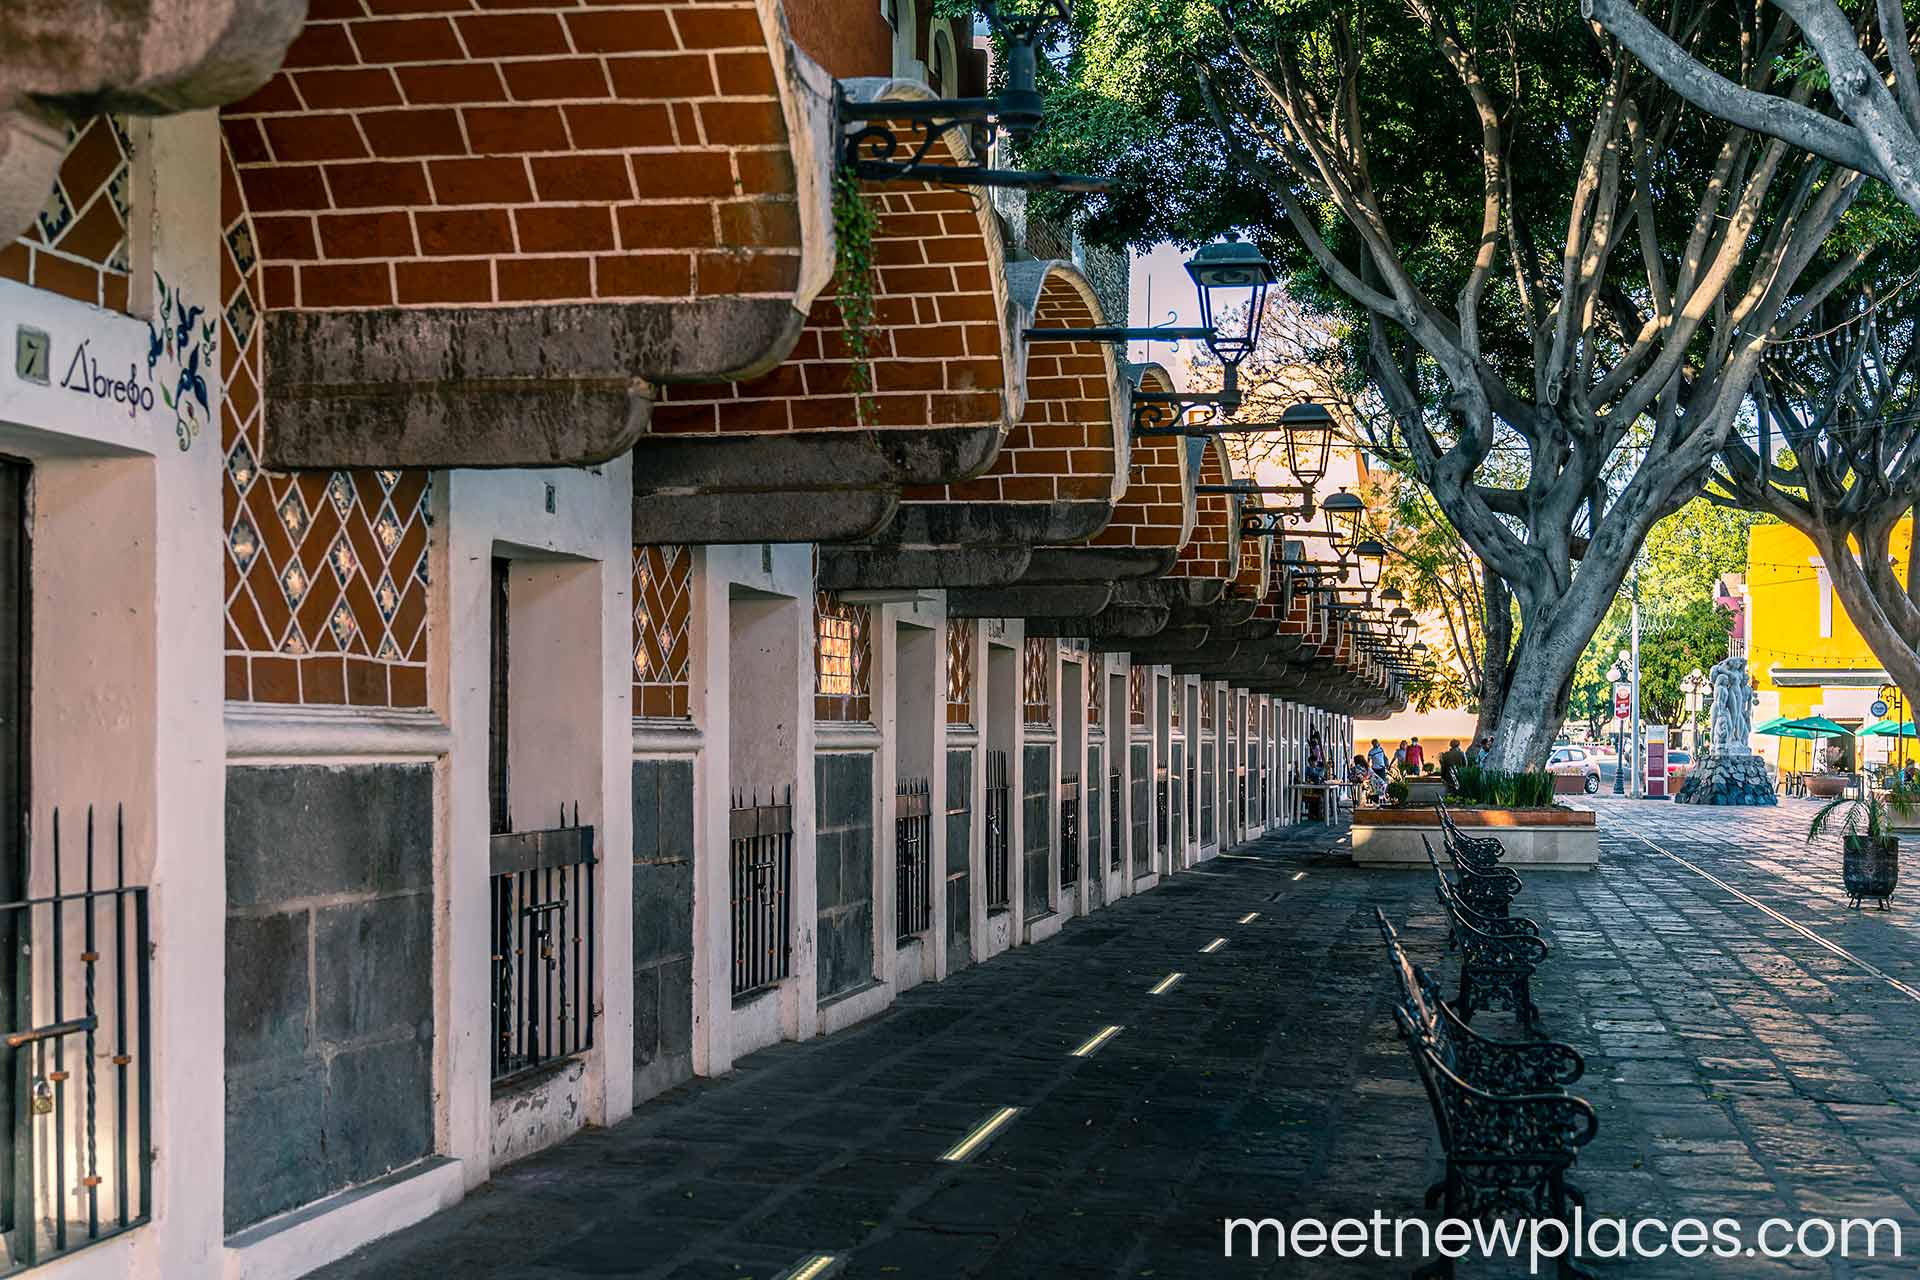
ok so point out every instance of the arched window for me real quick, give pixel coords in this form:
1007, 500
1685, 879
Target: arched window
906, 39
943, 66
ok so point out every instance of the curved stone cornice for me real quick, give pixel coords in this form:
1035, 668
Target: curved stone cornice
67, 60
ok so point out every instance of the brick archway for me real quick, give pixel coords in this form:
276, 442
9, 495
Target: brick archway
487, 233
945, 388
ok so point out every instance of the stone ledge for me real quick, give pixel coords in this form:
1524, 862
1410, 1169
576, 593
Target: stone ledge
1568, 846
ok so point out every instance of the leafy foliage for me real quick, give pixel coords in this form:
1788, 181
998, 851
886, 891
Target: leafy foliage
1872, 816
854, 222
1558, 276
1503, 788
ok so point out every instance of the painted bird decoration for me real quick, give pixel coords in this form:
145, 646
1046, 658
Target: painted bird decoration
183, 331
190, 380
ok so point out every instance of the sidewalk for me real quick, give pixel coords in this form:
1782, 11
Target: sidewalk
1739, 1068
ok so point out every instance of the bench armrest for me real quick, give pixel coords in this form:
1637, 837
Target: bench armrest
1511, 1066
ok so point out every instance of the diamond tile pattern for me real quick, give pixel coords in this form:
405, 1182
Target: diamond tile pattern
842, 659
662, 624
1036, 681
1096, 692
1137, 696
77, 246
326, 574
960, 670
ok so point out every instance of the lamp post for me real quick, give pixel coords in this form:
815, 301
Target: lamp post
1695, 685
1619, 731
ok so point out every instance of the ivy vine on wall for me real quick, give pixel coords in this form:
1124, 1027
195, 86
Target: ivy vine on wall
853, 226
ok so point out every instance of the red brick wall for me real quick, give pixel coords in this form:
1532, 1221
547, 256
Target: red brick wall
937, 343
326, 572
847, 37
1063, 447
1155, 509
1254, 578
1214, 549
466, 152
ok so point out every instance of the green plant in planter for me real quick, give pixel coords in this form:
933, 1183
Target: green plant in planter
1503, 788
1397, 790
1870, 817
1870, 850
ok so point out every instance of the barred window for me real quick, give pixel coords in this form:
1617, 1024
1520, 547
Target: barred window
841, 648
959, 671
1036, 681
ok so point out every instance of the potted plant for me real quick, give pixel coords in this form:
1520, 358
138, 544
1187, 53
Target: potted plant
1870, 849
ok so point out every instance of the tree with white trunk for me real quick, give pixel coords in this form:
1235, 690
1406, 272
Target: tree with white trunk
1866, 115
1834, 451
1548, 258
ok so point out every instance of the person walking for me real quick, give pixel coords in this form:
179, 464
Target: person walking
1416, 756
1400, 756
1377, 760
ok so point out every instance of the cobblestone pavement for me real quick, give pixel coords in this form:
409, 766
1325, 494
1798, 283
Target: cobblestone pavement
1741, 1066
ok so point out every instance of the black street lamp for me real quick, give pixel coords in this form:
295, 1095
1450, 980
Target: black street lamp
1309, 430
1371, 556
1231, 279
1343, 511
872, 148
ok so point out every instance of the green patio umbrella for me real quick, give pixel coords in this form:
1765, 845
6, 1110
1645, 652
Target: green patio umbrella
1890, 729
1808, 727
1819, 727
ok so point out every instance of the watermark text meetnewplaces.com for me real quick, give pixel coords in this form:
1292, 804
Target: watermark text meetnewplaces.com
1546, 1240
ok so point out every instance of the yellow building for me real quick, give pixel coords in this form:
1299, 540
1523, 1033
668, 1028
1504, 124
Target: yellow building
1805, 655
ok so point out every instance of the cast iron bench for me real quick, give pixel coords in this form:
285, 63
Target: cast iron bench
1497, 960
1488, 890
1481, 851
1508, 1128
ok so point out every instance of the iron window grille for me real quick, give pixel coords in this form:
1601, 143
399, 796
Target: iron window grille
1163, 799
544, 947
1070, 831
999, 845
760, 873
912, 843
58, 1193
1115, 851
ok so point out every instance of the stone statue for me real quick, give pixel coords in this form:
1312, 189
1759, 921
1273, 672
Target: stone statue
1730, 773
1732, 707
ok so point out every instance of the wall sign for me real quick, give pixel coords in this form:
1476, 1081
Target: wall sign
32, 352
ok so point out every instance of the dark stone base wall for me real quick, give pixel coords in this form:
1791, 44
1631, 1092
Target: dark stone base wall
1036, 785
662, 922
843, 869
329, 981
959, 859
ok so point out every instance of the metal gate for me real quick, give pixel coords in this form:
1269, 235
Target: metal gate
913, 845
1115, 852
1070, 831
760, 874
999, 812
543, 945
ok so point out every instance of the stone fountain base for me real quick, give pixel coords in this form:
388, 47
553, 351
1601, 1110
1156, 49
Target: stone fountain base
1727, 780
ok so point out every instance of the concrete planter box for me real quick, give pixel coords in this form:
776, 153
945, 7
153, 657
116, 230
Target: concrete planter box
1558, 839
1426, 791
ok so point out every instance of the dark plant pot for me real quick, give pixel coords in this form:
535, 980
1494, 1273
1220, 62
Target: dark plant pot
1870, 868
